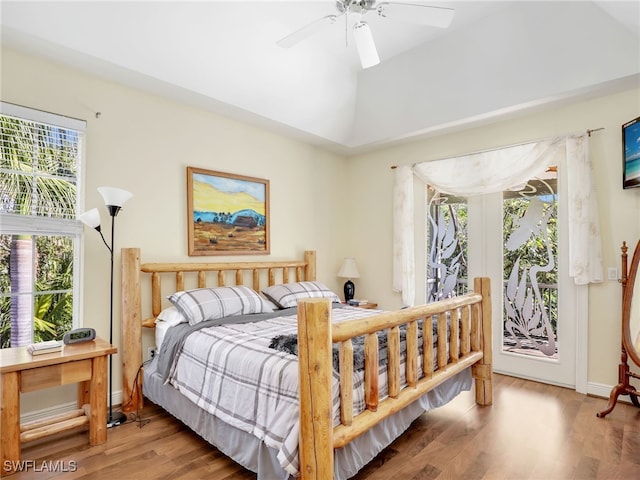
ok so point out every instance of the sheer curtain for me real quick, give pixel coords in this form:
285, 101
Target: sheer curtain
403, 228
495, 171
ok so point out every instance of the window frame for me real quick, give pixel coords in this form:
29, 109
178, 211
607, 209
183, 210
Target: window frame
14, 224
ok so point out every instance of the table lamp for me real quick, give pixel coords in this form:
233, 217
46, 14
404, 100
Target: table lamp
349, 270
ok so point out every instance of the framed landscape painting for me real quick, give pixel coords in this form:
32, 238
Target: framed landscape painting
227, 214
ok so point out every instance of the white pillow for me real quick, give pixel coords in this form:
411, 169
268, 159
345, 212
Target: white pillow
287, 294
273, 306
161, 331
212, 303
171, 316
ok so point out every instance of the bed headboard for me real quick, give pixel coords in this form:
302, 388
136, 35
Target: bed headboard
167, 278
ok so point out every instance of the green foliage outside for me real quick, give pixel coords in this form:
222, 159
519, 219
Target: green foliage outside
53, 299
447, 273
37, 179
532, 253
535, 252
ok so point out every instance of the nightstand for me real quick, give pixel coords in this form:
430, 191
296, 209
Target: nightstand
367, 305
81, 363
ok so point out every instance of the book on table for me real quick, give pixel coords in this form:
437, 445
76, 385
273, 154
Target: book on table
40, 348
356, 302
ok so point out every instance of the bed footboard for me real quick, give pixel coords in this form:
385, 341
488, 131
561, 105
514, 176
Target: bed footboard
467, 319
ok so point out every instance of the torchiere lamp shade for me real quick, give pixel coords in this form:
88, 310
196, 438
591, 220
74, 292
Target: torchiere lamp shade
114, 198
91, 218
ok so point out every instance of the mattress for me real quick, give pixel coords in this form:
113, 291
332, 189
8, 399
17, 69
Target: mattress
160, 332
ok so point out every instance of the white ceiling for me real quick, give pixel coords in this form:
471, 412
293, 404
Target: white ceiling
496, 59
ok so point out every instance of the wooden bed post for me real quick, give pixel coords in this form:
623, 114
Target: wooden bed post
310, 260
131, 349
316, 411
483, 371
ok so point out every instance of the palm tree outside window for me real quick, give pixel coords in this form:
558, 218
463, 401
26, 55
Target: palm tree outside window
39, 235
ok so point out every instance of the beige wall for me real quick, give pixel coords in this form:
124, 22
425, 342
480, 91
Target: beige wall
143, 143
370, 229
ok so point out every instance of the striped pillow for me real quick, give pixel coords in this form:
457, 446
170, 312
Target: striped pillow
212, 303
287, 295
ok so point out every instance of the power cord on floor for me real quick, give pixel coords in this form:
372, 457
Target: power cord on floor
134, 388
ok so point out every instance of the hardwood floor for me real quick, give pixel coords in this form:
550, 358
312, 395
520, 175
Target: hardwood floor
532, 431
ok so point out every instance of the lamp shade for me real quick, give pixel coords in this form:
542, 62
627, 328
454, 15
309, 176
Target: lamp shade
349, 269
365, 45
91, 218
114, 197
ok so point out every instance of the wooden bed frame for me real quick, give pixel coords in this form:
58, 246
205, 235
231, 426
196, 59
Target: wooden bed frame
469, 344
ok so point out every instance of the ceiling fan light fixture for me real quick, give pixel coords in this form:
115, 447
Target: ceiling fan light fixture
365, 45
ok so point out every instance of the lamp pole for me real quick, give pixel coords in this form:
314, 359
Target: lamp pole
114, 419
114, 198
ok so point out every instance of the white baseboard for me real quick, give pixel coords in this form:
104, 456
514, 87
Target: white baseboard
602, 390
37, 415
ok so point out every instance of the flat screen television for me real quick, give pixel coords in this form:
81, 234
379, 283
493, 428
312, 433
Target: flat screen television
631, 154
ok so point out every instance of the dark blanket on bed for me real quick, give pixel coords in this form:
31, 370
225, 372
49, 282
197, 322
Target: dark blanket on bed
289, 344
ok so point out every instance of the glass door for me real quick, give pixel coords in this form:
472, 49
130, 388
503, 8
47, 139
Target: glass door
518, 239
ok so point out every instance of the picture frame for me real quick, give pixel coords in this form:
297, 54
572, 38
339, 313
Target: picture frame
227, 214
631, 154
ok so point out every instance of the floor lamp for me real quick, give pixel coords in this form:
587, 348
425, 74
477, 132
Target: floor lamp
114, 199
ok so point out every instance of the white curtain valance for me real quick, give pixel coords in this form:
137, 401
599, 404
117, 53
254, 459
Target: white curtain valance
495, 171
489, 172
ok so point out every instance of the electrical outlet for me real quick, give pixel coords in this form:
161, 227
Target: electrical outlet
151, 352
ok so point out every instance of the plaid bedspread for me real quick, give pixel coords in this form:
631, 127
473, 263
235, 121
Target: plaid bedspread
231, 372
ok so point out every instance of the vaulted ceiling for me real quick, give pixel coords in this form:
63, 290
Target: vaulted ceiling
496, 59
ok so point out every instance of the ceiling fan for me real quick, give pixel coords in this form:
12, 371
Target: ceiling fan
416, 13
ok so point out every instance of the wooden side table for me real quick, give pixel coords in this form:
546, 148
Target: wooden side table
368, 305
82, 363
364, 305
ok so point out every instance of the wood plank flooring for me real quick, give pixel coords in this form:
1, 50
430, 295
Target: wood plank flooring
533, 431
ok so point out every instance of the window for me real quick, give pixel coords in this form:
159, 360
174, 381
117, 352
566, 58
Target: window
530, 267
529, 264
41, 156
446, 245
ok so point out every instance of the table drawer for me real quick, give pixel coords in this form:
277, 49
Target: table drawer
55, 375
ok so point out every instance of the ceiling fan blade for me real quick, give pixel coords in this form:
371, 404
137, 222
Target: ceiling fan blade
440, 17
306, 31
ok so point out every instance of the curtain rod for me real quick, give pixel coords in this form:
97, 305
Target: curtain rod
589, 132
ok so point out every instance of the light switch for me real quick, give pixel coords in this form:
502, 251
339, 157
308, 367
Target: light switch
612, 273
